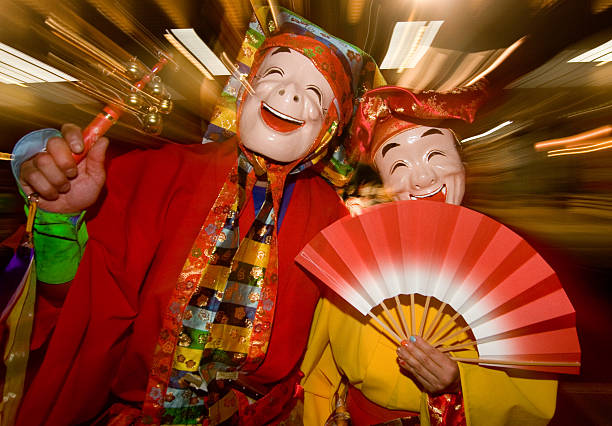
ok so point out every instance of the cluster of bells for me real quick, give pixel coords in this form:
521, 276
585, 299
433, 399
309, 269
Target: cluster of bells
152, 104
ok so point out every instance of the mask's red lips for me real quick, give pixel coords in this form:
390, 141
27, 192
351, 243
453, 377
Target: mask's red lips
278, 121
437, 195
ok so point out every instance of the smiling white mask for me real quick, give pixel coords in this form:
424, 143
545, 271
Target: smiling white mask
283, 119
422, 163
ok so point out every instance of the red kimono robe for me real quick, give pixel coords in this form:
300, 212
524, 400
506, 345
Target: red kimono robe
100, 343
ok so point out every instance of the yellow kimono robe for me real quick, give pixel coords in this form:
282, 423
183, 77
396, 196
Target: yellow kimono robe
342, 341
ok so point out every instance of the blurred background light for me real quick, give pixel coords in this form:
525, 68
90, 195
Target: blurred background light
18, 68
355, 11
585, 149
488, 132
409, 42
601, 53
196, 46
575, 140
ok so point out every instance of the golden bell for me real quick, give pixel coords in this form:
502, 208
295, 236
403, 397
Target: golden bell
155, 87
133, 70
152, 123
135, 100
165, 106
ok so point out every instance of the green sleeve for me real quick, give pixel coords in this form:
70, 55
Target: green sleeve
59, 243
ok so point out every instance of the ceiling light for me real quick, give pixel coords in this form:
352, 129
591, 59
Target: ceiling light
17, 68
178, 46
601, 53
354, 11
488, 132
409, 42
196, 46
15, 74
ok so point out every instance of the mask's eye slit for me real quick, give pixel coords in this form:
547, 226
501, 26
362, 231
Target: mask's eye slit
434, 153
273, 70
397, 165
317, 92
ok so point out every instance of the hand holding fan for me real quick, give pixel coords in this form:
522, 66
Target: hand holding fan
509, 297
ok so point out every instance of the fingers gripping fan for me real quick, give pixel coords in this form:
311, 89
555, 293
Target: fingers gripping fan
507, 297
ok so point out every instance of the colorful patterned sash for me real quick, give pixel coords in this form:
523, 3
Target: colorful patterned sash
226, 294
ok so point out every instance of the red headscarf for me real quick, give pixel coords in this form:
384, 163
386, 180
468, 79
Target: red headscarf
386, 111
325, 59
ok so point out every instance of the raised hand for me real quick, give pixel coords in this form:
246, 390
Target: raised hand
63, 185
434, 370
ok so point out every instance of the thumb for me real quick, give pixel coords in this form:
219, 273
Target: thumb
96, 156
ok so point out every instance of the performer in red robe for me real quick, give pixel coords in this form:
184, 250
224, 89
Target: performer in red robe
187, 291
102, 340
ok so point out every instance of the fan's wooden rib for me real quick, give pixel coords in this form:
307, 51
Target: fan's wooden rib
402, 316
511, 362
412, 315
434, 323
443, 329
456, 347
386, 328
396, 326
424, 316
451, 336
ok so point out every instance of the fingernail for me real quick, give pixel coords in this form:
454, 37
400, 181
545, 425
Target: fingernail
76, 147
65, 188
412, 339
71, 172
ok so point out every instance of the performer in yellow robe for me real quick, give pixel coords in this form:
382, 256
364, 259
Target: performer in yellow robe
344, 343
351, 364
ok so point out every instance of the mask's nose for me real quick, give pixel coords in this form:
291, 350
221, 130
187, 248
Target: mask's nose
422, 177
289, 94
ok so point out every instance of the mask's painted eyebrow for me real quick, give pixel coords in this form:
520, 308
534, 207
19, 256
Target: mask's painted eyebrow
387, 147
432, 132
281, 50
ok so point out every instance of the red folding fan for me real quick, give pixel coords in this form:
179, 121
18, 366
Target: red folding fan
509, 297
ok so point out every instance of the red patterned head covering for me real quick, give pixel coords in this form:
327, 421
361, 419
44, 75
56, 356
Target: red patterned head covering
386, 111
324, 59
328, 61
